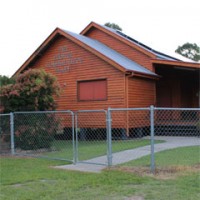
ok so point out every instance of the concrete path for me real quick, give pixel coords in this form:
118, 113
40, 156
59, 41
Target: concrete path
132, 154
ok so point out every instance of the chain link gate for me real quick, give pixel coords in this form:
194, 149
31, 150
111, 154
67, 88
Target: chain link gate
91, 137
130, 129
47, 134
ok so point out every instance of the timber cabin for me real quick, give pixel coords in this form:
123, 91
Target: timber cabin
102, 67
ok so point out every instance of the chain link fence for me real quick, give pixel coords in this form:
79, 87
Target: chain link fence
130, 129
177, 122
5, 133
44, 134
154, 137
180, 131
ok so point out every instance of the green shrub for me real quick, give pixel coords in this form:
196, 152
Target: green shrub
32, 90
32, 140
36, 133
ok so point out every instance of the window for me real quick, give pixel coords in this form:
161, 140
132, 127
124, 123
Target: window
92, 90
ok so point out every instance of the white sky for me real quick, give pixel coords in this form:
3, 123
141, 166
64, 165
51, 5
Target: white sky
161, 24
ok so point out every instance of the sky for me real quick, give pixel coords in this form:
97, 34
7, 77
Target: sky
161, 24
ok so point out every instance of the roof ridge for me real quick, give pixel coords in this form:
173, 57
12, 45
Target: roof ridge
158, 54
145, 46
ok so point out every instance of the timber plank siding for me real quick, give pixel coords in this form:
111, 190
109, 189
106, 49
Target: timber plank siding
141, 93
87, 67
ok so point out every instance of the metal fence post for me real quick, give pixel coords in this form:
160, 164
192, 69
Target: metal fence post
76, 139
12, 140
73, 137
152, 139
109, 138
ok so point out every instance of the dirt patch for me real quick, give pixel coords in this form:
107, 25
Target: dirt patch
160, 173
17, 185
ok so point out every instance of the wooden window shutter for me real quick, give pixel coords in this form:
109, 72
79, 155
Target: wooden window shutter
92, 90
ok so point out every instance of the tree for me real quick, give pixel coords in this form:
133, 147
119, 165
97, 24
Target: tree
33, 90
4, 80
189, 50
113, 26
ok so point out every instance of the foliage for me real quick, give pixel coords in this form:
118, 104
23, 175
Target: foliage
37, 132
113, 26
4, 80
4, 129
189, 50
33, 90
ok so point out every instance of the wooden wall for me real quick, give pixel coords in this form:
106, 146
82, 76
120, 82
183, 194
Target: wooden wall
71, 63
141, 92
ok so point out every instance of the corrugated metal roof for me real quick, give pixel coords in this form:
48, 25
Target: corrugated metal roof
123, 61
158, 54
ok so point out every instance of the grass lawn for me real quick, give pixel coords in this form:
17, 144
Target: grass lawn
182, 156
90, 149
30, 179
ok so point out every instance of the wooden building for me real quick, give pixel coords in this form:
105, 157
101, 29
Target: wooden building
102, 67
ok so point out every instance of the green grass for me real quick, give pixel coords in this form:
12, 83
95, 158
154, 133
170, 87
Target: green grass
90, 149
87, 150
30, 179
183, 156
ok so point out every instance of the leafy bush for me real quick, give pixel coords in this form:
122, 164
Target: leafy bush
32, 90
4, 128
32, 140
37, 132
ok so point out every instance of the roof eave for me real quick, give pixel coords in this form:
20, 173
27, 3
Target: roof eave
142, 75
38, 51
59, 31
176, 63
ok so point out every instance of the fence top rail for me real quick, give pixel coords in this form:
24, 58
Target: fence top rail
178, 109
44, 112
102, 110
128, 109
7, 114
90, 111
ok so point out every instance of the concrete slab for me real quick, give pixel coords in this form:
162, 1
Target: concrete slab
83, 167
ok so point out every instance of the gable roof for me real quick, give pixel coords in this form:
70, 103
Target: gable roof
109, 55
155, 56
135, 43
114, 34
104, 52
127, 64
147, 48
